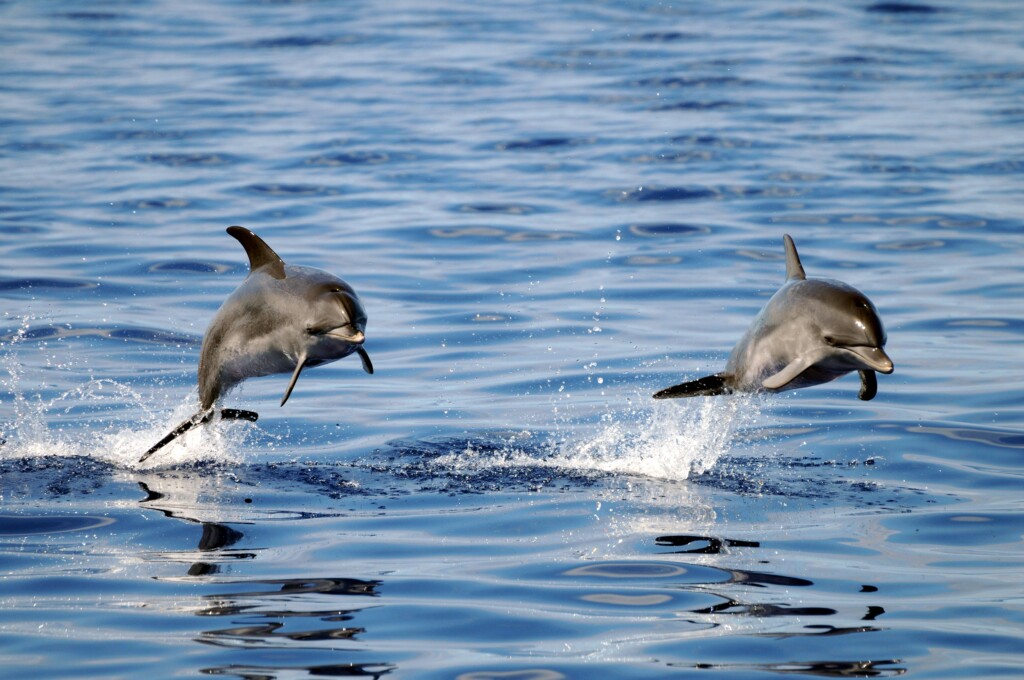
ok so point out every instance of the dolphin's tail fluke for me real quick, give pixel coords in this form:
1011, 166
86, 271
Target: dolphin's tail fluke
197, 420
708, 386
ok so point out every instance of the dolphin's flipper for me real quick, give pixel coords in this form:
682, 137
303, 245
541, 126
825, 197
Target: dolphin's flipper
260, 254
295, 378
791, 371
197, 420
794, 270
868, 385
708, 386
367, 364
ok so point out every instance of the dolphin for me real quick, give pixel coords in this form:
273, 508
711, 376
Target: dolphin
282, 319
810, 332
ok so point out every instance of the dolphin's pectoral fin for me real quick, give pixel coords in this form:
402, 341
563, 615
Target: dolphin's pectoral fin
868, 385
295, 378
197, 419
259, 253
367, 364
794, 269
708, 386
793, 369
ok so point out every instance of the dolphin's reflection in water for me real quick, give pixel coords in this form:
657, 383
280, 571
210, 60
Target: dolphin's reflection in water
216, 536
267, 609
821, 669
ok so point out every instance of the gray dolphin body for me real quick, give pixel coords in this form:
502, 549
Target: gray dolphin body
282, 319
812, 331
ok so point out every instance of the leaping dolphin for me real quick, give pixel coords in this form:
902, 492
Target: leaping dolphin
282, 319
811, 331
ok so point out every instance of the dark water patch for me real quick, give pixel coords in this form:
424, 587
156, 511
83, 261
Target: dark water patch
20, 229
667, 229
35, 146
462, 77
487, 233
912, 245
435, 465
911, 8
680, 156
190, 267
304, 41
666, 37
719, 141
290, 190
178, 160
538, 144
88, 16
149, 336
31, 284
152, 134
328, 479
894, 166
356, 157
699, 82
122, 333
297, 84
497, 208
1006, 166
647, 261
667, 194
156, 204
694, 105
53, 476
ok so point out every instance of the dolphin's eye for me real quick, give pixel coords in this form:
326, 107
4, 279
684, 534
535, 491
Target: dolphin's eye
829, 340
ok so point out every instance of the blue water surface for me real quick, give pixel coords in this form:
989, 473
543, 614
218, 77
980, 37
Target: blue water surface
550, 211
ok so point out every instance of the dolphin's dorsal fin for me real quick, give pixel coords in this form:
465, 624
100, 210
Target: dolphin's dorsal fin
794, 270
260, 254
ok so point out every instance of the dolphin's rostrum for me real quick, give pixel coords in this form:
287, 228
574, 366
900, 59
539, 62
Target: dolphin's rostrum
282, 319
811, 331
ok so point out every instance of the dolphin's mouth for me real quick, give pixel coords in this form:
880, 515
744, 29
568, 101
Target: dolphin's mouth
347, 334
873, 358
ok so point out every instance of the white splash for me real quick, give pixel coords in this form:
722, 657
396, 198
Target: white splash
669, 440
91, 421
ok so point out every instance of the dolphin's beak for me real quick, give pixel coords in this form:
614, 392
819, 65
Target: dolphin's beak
356, 337
874, 358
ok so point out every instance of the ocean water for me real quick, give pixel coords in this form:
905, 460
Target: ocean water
550, 211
